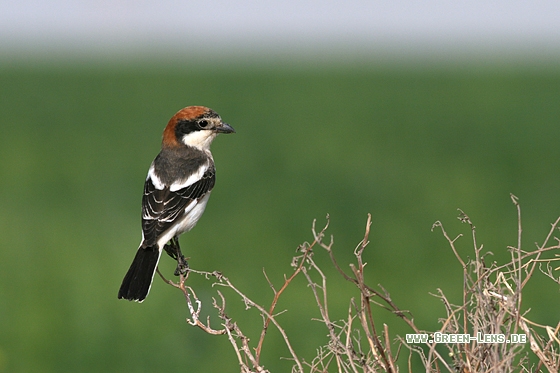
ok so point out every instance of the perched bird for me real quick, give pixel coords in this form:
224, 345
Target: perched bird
176, 191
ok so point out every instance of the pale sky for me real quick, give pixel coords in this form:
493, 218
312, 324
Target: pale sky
360, 26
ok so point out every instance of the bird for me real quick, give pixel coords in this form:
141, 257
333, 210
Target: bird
176, 191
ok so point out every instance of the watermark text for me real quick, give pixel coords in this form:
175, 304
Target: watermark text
438, 337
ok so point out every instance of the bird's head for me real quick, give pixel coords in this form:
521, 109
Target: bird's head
195, 126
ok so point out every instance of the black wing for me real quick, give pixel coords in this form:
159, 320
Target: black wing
162, 207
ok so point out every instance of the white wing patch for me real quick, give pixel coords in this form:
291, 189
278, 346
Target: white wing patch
155, 180
179, 184
193, 178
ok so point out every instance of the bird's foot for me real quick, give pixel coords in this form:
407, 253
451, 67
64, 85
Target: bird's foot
182, 266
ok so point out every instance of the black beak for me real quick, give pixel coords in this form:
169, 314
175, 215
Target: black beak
224, 128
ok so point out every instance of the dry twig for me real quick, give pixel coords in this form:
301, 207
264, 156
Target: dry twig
491, 304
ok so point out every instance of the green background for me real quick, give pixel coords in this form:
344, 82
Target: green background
408, 144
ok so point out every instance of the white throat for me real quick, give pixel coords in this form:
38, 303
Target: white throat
200, 139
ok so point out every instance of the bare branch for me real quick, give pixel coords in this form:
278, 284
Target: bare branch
491, 304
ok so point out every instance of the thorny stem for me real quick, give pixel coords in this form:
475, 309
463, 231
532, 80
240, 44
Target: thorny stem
226, 282
277, 296
194, 312
349, 356
540, 251
365, 297
518, 293
463, 265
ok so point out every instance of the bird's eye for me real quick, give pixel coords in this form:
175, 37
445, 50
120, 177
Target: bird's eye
203, 123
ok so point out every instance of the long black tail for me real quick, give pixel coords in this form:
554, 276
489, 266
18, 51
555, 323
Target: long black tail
138, 280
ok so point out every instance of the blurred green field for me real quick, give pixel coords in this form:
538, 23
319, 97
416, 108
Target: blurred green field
409, 145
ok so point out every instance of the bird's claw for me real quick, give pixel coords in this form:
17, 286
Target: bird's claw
182, 266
